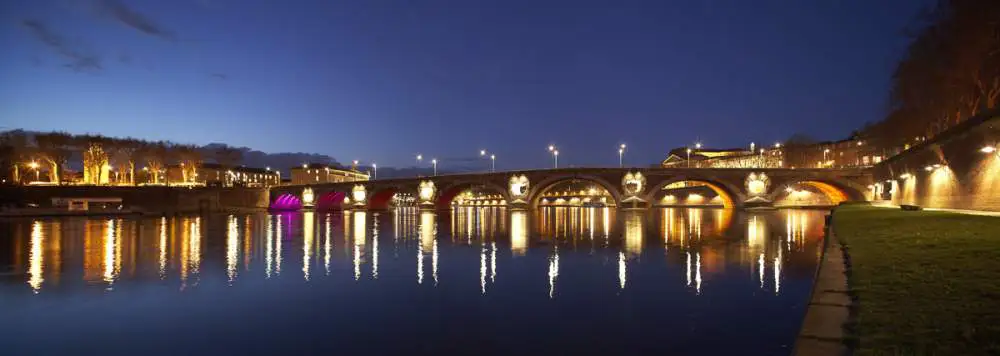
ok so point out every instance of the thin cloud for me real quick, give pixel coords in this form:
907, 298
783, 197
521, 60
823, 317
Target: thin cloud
131, 18
79, 61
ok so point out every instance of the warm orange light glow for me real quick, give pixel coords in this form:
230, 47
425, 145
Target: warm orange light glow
836, 195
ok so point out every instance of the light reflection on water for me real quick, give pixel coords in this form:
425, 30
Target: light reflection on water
699, 259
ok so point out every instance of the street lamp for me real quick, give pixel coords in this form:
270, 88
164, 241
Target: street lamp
555, 156
621, 156
435, 163
374, 171
482, 153
697, 145
493, 163
552, 148
689, 157
420, 157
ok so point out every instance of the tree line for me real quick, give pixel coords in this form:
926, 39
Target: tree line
949, 72
52, 151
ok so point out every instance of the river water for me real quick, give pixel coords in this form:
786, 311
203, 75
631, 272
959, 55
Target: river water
558, 280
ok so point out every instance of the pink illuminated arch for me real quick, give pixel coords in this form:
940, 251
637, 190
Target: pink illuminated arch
287, 202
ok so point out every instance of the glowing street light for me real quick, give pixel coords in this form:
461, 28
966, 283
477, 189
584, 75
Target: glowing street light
552, 148
621, 156
493, 163
482, 153
697, 145
555, 156
435, 163
777, 145
374, 171
420, 157
689, 157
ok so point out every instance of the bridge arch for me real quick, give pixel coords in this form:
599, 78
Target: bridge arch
811, 192
379, 197
286, 202
448, 193
539, 189
730, 195
332, 200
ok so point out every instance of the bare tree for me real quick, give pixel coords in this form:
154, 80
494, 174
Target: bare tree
54, 149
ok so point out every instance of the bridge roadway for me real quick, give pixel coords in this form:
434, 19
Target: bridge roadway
630, 187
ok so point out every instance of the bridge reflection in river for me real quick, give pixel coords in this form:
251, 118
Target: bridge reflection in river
588, 255
113, 249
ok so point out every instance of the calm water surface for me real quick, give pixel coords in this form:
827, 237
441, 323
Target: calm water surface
473, 280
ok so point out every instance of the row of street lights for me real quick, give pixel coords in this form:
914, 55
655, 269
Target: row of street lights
434, 162
554, 151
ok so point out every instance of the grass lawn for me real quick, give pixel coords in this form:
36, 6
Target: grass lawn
927, 282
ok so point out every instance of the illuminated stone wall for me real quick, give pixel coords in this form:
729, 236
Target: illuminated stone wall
958, 169
149, 199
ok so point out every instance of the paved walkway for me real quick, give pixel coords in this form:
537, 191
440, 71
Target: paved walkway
822, 330
958, 211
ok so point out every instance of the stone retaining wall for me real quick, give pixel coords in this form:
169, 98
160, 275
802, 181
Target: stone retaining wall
146, 199
949, 172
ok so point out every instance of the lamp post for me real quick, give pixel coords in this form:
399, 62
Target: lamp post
435, 163
689, 157
555, 157
374, 171
493, 163
420, 158
482, 154
621, 156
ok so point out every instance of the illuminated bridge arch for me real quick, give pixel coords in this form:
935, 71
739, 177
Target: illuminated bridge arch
730, 195
381, 198
287, 202
447, 194
538, 190
828, 193
333, 200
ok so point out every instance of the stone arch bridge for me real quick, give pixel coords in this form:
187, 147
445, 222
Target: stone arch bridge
629, 187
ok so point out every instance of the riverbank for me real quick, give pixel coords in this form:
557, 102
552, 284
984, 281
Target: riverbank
925, 281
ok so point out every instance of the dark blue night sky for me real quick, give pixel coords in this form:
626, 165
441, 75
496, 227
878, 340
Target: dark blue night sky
383, 80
